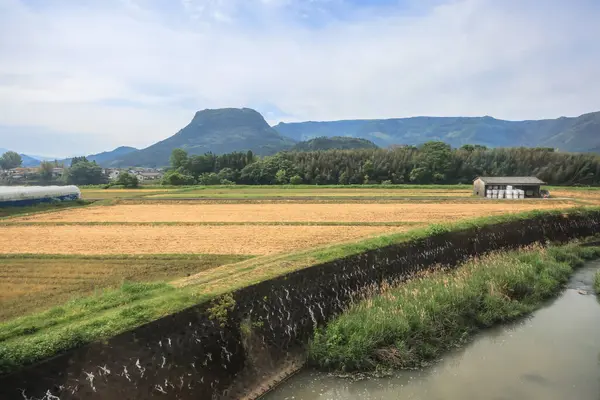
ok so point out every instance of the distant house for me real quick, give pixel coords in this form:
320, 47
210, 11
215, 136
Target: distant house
531, 186
21, 171
57, 172
149, 176
113, 175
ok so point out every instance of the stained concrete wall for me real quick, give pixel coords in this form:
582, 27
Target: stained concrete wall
190, 356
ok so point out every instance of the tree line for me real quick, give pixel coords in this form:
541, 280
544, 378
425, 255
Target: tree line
81, 171
430, 163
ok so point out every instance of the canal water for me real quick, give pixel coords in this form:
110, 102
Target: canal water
553, 354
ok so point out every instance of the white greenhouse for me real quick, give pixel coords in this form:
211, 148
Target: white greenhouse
29, 195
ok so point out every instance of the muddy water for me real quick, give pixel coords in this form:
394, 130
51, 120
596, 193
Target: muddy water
554, 354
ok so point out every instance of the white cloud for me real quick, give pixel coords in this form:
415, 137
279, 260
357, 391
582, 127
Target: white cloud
62, 67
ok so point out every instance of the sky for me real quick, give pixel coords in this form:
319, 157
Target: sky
80, 77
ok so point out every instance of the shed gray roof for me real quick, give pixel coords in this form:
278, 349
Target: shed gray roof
511, 180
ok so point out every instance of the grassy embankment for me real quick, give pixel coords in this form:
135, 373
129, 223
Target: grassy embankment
411, 324
43, 334
597, 283
33, 282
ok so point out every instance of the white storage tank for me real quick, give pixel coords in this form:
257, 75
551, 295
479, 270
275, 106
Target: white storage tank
29, 195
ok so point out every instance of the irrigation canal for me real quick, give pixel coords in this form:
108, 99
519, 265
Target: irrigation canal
554, 354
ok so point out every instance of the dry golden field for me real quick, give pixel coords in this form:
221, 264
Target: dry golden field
589, 196
291, 212
157, 239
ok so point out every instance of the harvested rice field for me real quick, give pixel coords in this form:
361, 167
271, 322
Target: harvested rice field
124, 239
281, 213
590, 196
28, 284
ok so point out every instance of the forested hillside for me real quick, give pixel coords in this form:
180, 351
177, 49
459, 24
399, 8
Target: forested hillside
336, 142
433, 162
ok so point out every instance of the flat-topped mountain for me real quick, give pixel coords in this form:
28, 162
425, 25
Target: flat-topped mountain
219, 131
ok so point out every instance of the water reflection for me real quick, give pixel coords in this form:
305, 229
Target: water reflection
552, 355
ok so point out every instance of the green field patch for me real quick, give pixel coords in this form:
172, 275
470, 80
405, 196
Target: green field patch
22, 211
107, 194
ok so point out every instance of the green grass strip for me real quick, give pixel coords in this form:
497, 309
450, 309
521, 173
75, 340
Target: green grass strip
317, 187
597, 283
43, 208
412, 324
35, 337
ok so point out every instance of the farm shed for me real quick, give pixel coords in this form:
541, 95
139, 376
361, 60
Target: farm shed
507, 187
29, 195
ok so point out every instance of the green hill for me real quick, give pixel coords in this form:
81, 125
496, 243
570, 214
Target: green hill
106, 158
218, 131
336, 142
578, 134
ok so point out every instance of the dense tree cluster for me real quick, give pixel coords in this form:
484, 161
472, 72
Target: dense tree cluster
10, 160
207, 169
430, 163
127, 180
84, 172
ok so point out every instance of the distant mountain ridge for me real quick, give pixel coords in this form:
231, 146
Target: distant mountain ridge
240, 129
107, 158
576, 134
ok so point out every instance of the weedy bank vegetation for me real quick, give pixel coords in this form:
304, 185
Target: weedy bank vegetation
409, 325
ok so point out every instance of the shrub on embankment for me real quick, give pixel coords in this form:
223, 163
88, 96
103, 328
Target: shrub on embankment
408, 325
597, 283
